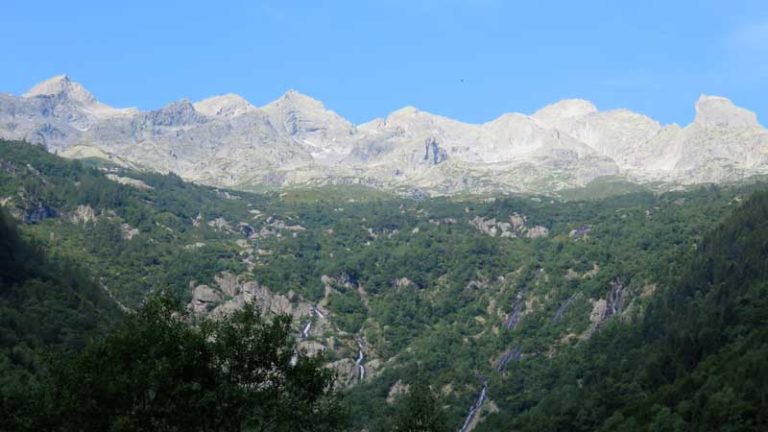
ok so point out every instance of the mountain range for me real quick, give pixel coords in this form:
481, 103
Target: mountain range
226, 141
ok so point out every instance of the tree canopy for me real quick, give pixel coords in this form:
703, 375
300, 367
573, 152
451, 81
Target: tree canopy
156, 372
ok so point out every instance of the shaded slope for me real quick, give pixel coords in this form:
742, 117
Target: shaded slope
44, 303
694, 362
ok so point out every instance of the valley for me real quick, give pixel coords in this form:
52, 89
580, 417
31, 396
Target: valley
389, 216
501, 303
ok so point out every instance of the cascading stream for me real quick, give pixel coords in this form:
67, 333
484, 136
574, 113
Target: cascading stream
359, 363
305, 332
475, 407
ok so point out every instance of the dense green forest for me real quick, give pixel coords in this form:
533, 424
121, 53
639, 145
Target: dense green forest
618, 309
157, 371
694, 362
46, 303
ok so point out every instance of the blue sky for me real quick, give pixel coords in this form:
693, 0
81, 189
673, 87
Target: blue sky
471, 59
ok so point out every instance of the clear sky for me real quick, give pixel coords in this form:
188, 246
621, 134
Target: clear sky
467, 59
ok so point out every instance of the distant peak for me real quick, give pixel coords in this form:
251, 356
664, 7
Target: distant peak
720, 112
52, 84
407, 110
296, 96
565, 109
177, 113
227, 105
180, 104
294, 101
61, 85
224, 97
404, 113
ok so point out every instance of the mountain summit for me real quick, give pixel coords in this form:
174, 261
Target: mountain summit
228, 105
61, 85
565, 109
72, 101
715, 111
295, 140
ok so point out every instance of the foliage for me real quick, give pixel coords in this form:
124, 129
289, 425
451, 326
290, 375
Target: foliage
419, 410
45, 303
433, 298
154, 371
692, 363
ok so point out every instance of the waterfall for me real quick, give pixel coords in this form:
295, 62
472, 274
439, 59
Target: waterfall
359, 363
305, 332
475, 408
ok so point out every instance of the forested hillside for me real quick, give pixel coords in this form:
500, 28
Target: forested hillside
694, 362
507, 312
46, 303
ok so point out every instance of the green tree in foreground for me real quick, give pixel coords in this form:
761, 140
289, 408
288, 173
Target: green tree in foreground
419, 410
155, 372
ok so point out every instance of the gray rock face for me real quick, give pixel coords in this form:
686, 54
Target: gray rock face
38, 212
295, 140
719, 112
229, 105
433, 153
204, 299
180, 113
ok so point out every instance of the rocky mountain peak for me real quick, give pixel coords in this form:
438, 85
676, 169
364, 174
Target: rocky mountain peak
405, 113
300, 114
74, 102
61, 85
296, 140
296, 100
178, 113
565, 109
720, 112
409, 116
227, 105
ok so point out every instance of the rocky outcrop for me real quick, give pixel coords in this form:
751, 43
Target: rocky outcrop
346, 370
36, 212
220, 224
179, 113
433, 153
491, 227
580, 233
229, 105
605, 308
83, 214
128, 232
315, 331
204, 299
537, 231
398, 389
138, 184
231, 292
719, 112
402, 283
516, 227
